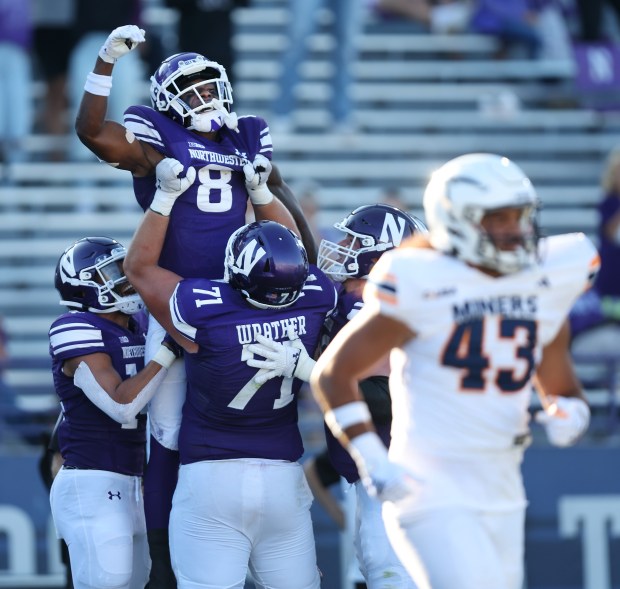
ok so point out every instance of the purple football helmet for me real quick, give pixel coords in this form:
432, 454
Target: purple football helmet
367, 232
180, 78
267, 263
90, 277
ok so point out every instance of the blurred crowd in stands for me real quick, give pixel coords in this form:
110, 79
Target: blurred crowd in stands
595, 318
52, 41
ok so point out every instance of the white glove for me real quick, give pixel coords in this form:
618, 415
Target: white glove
565, 420
121, 40
280, 359
256, 175
382, 479
172, 181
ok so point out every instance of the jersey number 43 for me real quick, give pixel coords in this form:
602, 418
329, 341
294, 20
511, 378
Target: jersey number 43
466, 351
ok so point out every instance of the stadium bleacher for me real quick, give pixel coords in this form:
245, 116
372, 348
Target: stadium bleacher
418, 99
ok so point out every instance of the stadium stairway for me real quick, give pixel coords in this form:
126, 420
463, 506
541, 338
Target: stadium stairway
419, 100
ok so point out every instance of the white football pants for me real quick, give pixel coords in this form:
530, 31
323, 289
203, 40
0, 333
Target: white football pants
231, 514
460, 547
166, 406
377, 560
100, 515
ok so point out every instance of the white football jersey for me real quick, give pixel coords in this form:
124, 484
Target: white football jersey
463, 383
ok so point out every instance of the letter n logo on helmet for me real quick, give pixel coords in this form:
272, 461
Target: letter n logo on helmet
66, 267
249, 256
393, 229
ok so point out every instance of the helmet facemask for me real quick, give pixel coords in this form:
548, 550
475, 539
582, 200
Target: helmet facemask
504, 254
207, 116
106, 281
369, 231
180, 79
340, 260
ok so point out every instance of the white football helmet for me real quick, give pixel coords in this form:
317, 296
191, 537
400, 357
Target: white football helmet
466, 188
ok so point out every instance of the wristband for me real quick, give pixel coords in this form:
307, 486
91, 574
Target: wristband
346, 415
98, 84
164, 356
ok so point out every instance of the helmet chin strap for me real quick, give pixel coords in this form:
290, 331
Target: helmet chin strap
214, 119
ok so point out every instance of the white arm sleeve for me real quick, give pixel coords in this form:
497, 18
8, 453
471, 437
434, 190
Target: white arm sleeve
123, 413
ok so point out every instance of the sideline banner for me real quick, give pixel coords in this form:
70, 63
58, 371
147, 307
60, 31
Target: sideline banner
29, 549
573, 518
598, 74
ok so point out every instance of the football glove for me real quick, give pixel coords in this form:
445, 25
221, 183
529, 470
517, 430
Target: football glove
565, 420
121, 40
288, 360
172, 181
384, 480
256, 175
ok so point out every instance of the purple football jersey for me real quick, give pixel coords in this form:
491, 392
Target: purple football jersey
87, 437
209, 211
226, 415
349, 303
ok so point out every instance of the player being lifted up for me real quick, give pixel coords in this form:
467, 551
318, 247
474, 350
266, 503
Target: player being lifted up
241, 499
473, 316
228, 159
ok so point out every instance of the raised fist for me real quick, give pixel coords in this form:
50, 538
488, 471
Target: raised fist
121, 40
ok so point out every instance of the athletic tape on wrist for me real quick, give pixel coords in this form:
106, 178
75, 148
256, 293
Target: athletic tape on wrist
164, 356
98, 84
346, 415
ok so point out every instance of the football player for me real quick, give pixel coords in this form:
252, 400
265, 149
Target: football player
367, 233
241, 499
191, 120
102, 381
473, 316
